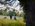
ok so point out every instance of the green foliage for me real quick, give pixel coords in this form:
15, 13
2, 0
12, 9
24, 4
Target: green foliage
5, 13
1, 12
22, 14
12, 13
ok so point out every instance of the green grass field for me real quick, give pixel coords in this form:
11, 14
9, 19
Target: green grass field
7, 22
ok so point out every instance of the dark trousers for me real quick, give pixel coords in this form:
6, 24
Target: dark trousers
14, 17
10, 17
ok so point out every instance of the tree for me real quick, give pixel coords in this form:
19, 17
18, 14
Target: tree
1, 12
27, 4
5, 12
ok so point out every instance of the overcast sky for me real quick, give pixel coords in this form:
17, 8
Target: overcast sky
12, 3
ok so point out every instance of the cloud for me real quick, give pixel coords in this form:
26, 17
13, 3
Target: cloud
14, 4
18, 7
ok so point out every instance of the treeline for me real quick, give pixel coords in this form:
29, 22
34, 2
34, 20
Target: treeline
4, 12
13, 13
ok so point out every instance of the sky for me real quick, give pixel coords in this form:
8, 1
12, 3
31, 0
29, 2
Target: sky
12, 4
15, 4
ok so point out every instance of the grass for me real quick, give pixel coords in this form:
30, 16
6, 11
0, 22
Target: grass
7, 22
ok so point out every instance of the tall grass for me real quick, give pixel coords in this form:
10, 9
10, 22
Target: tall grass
7, 22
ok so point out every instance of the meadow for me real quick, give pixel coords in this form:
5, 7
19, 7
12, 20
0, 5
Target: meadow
10, 22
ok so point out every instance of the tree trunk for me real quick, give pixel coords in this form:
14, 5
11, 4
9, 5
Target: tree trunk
27, 9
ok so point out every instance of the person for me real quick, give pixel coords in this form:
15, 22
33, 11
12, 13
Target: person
10, 14
14, 14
